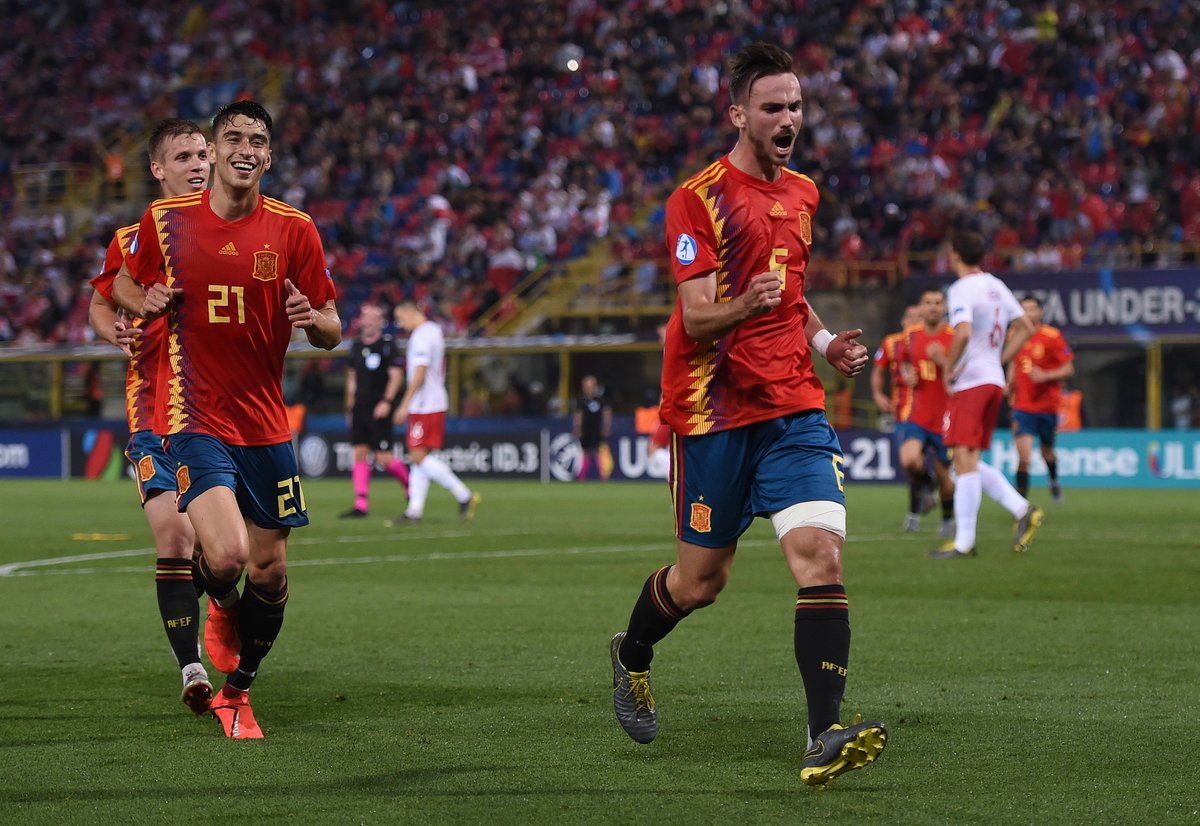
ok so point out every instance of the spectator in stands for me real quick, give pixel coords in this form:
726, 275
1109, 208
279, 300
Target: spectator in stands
913, 112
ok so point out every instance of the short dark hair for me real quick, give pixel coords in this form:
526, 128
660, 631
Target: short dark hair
933, 289
169, 128
969, 245
248, 108
1031, 297
753, 61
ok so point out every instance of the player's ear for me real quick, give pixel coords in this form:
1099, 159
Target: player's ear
267, 165
157, 171
737, 115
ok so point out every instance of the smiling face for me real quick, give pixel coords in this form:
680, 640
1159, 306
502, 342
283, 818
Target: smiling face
769, 121
241, 153
181, 164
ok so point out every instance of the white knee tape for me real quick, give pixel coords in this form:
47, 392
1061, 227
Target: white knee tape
828, 515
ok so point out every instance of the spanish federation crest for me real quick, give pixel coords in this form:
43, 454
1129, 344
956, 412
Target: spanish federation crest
145, 468
183, 479
266, 265
701, 521
806, 228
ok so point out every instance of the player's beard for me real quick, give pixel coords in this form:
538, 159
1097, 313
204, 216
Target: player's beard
765, 151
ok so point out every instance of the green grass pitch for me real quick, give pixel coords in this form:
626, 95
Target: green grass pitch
443, 673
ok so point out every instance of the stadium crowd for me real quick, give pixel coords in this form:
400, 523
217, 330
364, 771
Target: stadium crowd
446, 152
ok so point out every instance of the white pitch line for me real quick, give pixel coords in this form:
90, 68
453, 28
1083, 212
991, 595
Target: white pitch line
15, 568
33, 567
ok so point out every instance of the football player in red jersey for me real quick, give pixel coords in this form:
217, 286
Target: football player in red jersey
891, 366
179, 161
746, 410
926, 348
1035, 380
235, 273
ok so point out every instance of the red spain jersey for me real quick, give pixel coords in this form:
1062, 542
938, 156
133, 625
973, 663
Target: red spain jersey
143, 365
1046, 349
891, 357
726, 222
221, 370
929, 394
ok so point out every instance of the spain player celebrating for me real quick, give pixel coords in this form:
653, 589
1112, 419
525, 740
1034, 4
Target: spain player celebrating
749, 435
179, 161
234, 273
1035, 380
926, 347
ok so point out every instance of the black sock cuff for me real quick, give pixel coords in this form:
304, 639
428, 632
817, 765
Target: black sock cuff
661, 598
218, 589
822, 602
271, 598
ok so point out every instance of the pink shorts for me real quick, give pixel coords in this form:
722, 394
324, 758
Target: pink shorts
426, 430
971, 416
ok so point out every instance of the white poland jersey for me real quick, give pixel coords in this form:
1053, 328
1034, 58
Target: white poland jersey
982, 300
427, 347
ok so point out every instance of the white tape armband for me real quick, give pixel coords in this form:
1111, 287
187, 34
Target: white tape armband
828, 515
820, 341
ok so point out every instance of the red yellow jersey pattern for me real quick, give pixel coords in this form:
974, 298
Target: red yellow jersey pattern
929, 395
729, 225
140, 395
227, 333
891, 356
1048, 350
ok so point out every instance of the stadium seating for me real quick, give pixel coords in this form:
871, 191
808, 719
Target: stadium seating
447, 151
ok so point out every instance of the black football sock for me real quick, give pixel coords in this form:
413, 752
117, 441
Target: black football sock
823, 651
178, 606
259, 619
1022, 482
224, 591
1052, 470
654, 615
197, 582
915, 487
948, 508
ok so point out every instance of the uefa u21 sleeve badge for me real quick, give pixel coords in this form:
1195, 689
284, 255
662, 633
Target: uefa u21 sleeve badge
685, 249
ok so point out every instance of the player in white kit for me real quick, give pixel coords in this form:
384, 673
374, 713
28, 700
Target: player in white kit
989, 328
424, 405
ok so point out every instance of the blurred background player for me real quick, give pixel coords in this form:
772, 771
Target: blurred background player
892, 368
982, 311
179, 161
373, 379
236, 274
1035, 380
925, 349
424, 407
592, 423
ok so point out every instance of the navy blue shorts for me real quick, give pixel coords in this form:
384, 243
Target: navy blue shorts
904, 431
1042, 425
265, 478
721, 481
928, 440
153, 469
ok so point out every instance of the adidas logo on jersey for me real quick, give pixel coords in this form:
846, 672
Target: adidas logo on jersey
778, 211
229, 249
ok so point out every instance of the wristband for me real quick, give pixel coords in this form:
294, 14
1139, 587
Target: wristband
820, 341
